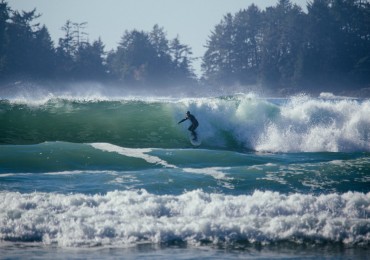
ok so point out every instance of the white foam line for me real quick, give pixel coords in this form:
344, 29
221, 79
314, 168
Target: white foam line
80, 172
131, 152
215, 172
59, 173
7, 175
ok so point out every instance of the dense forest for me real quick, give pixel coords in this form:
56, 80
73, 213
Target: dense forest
281, 47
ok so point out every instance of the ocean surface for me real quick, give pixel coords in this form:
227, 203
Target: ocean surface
117, 177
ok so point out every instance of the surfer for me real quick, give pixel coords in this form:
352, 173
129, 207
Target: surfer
194, 124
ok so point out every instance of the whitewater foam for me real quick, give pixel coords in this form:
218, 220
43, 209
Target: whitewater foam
311, 125
131, 217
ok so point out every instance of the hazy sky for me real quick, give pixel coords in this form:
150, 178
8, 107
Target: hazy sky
192, 20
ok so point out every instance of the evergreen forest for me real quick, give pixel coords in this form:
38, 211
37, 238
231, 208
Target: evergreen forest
325, 47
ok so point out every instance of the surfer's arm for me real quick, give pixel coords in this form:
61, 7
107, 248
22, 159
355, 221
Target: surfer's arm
182, 120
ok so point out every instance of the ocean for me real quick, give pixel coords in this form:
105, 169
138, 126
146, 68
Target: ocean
117, 177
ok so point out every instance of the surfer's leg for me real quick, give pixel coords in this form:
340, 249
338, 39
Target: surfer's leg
193, 127
192, 130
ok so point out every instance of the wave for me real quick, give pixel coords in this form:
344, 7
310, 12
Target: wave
100, 167
238, 122
131, 217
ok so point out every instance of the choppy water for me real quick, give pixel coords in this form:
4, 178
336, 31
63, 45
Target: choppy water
109, 176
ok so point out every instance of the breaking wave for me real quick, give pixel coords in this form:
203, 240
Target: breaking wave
195, 217
238, 122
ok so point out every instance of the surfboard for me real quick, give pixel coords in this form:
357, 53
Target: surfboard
195, 142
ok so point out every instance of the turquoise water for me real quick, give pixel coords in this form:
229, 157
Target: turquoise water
101, 177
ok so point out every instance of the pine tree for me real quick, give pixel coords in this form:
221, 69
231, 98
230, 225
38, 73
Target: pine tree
218, 60
4, 39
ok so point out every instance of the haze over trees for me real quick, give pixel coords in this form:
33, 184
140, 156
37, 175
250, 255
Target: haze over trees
150, 59
281, 47
27, 52
284, 47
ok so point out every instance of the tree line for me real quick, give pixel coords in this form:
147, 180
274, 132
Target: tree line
142, 58
281, 46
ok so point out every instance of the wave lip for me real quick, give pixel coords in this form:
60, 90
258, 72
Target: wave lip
122, 218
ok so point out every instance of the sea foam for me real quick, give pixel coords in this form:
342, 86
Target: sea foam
130, 152
124, 218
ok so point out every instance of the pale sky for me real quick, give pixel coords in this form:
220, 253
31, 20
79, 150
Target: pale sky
191, 20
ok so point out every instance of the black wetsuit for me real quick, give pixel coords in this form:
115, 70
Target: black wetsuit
194, 124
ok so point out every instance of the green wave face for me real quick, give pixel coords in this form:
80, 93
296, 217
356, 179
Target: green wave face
133, 124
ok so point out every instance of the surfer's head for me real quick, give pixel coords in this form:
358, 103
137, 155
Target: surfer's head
188, 113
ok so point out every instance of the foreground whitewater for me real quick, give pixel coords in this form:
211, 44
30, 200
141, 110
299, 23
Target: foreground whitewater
273, 177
